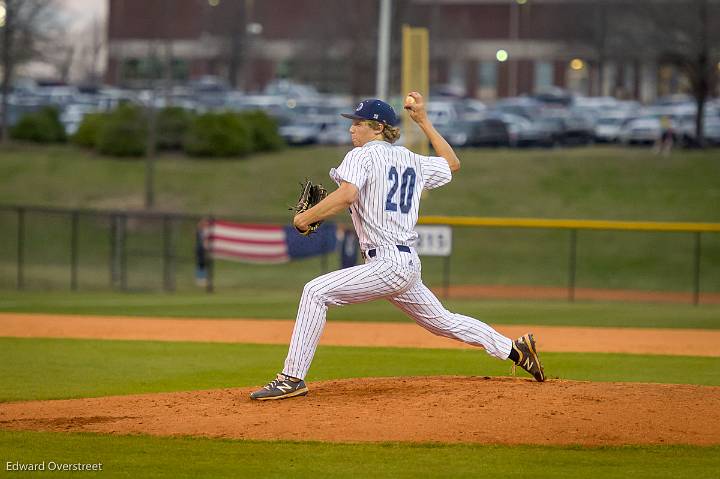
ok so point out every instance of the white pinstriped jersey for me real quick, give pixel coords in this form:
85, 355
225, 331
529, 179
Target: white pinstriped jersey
390, 180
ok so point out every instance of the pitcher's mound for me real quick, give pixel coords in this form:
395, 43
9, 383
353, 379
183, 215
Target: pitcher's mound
419, 409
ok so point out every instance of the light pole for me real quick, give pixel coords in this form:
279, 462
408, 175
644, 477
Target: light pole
383, 53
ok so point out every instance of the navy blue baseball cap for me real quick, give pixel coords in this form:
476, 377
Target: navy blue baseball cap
374, 109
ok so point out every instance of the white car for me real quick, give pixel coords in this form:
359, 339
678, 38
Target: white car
73, 114
608, 128
711, 130
646, 129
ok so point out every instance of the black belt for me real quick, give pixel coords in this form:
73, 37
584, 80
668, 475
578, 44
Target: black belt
401, 247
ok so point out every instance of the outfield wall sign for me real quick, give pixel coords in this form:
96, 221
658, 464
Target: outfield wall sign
434, 240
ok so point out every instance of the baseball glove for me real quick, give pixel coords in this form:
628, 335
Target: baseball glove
309, 196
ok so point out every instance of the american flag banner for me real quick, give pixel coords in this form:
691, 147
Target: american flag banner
262, 243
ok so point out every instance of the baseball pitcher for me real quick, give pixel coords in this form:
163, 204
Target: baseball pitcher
381, 184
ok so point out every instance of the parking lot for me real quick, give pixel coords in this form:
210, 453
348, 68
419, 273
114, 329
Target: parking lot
552, 118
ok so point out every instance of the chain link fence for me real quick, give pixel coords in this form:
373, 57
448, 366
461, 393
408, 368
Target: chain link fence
92, 250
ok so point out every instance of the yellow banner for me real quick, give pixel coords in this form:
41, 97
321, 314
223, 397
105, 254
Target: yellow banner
415, 77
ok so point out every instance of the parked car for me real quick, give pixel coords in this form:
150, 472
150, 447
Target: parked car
579, 130
274, 105
335, 133
490, 131
298, 131
608, 128
643, 130
568, 129
523, 106
471, 110
73, 115
520, 130
537, 133
686, 130
446, 119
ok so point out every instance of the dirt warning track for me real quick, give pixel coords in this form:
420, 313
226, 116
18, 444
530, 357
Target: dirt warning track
338, 333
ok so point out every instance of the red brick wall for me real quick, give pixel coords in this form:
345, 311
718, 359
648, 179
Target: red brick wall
526, 76
148, 19
560, 67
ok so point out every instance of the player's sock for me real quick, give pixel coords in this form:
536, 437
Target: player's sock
514, 356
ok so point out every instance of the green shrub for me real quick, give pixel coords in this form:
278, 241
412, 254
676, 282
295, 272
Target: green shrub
172, 126
89, 130
264, 131
41, 127
123, 132
218, 134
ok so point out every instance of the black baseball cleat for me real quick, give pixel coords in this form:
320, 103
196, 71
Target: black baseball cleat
282, 387
528, 356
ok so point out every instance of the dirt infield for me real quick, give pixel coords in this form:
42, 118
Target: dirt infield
338, 333
425, 409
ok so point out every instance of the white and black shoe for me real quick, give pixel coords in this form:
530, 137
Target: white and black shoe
282, 387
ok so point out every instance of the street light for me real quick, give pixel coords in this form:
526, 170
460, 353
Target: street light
3, 13
577, 64
501, 55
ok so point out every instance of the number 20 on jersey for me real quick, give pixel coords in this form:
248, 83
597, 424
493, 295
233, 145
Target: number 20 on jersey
407, 188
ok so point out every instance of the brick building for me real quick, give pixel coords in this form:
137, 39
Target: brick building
332, 44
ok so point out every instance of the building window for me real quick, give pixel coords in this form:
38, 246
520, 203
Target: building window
487, 80
134, 69
180, 69
629, 83
543, 75
457, 73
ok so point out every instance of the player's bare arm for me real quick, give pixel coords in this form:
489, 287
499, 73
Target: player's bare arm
415, 105
334, 203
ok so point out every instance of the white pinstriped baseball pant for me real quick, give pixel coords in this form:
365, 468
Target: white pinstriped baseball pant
394, 275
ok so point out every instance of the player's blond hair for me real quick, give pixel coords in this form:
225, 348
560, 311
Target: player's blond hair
391, 134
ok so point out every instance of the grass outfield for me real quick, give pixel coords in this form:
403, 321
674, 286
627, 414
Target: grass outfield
599, 182
151, 457
72, 368
283, 305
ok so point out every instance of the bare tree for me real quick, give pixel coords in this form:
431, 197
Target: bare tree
91, 42
683, 33
691, 41
29, 25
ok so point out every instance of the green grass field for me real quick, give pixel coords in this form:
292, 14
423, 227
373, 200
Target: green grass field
69, 368
594, 183
151, 457
55, 368
283, 305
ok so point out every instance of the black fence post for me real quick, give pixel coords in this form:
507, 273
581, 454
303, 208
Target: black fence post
168, 255
123, 252
113, 251
209, 259
20, 248
572, 265
75, 219
446, 276
696, 280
